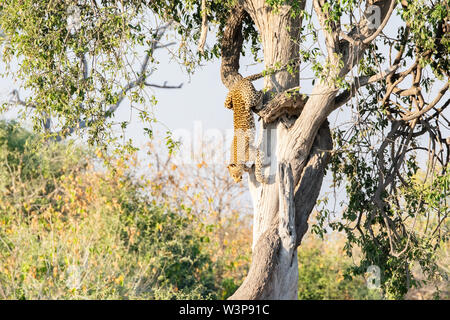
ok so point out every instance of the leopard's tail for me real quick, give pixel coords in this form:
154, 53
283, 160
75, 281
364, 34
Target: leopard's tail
255, 77
259, 175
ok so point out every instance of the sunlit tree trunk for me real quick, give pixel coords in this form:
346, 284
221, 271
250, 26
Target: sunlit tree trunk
282, 207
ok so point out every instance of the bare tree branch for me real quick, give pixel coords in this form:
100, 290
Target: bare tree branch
142, 74
387, 16
85, 66
164, 45
202, 40
430, 106
353, 45
163, 86
140, 80
360, 82
15, 100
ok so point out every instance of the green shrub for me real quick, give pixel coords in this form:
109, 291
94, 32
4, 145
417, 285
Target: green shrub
322, 273
68, 231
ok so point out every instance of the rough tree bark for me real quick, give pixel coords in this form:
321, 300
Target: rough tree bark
302, 142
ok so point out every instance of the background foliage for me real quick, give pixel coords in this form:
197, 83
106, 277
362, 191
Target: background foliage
69, 231
72, 228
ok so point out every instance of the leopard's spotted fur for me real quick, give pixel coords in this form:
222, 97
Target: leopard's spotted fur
241, 99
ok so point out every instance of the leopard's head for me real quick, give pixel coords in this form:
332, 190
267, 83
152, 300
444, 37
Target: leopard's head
235, 172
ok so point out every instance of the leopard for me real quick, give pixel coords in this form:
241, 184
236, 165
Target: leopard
241, 99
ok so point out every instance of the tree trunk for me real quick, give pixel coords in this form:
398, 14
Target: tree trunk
282, 207
298, 136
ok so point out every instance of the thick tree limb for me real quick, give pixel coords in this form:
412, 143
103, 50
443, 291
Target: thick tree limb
231, 47
290, 102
